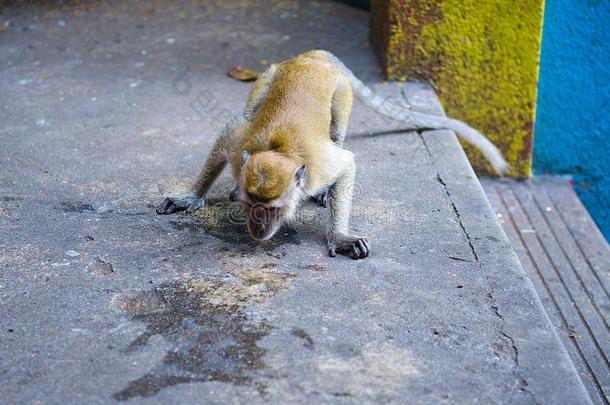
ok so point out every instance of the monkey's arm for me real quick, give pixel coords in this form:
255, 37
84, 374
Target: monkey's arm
340, 204
216, 161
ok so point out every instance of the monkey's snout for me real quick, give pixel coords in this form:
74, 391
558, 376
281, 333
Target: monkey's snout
261, 231
262, 222
259, 228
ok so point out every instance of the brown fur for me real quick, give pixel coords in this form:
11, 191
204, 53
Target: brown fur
267, 174
293, 121
285, 146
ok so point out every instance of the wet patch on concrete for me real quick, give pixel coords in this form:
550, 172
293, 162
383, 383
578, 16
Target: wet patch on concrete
226, 220
214, 338
6, 198
184, 223
314, 267
75, 207
307, 339
100, 267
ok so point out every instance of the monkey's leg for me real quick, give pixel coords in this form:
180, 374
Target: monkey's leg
340, 201
216, 161
340, 112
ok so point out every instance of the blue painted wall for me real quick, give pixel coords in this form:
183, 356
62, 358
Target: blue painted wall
572, 129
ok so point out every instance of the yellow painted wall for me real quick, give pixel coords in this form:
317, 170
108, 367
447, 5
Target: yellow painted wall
480, 56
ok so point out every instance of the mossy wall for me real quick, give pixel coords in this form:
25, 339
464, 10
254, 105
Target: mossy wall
480, 56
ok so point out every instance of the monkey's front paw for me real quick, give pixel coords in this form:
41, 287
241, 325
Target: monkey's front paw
353, 246
189, 203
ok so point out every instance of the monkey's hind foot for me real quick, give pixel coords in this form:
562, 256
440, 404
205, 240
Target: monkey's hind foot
234, 193
188, 202
353, 246
321, 198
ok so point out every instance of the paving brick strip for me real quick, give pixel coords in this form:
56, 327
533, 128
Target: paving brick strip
568, 259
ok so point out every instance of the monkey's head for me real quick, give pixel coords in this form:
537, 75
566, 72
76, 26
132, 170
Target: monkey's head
270, 189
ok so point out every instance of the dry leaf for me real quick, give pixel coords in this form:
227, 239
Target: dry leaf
242, 74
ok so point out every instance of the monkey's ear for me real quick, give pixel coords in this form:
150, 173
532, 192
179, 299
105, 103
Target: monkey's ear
300, 175
244, 156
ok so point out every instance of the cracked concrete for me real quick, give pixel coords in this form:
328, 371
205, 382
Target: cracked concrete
96, 131
522, 381
457, 214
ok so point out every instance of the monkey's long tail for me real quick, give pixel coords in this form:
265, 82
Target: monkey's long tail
418, 120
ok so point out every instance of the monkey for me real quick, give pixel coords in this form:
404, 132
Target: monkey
287, 146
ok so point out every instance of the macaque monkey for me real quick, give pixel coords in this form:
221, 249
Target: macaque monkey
287, 146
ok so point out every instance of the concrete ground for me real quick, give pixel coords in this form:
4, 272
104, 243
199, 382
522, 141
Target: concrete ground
107, 107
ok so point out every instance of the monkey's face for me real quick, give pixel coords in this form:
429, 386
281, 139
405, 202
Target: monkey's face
270, 190
264, 220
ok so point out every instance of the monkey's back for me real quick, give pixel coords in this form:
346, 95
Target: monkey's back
295, 115
299, 99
